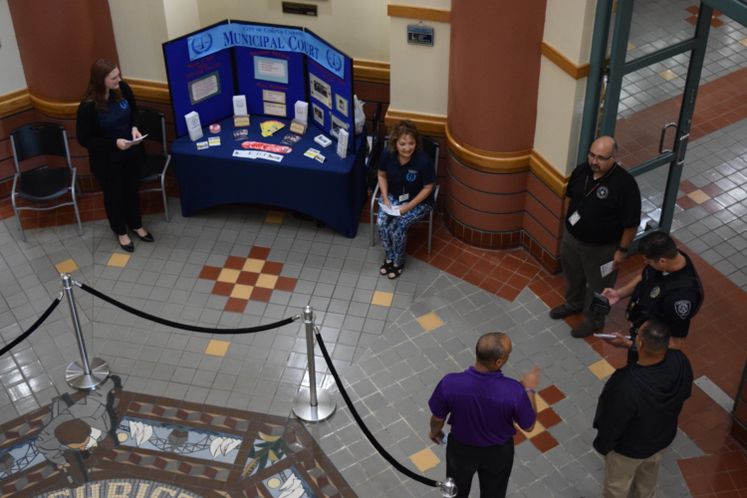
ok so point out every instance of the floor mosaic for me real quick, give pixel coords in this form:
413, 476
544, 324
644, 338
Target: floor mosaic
148, 446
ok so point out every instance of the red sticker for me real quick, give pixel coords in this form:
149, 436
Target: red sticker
215, 128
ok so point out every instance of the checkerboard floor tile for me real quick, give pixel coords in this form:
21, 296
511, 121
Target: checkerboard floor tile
248, 278
546, 418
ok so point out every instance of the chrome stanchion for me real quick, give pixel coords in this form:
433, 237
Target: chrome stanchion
448, 488
312, 404
82, 375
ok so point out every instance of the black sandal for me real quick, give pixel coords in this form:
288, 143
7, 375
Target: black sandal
386, 268
394, 272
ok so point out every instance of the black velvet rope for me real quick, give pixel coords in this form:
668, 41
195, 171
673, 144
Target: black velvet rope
389, 458
193, 328
31, 329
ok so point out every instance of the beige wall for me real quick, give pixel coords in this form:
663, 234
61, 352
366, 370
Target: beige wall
419, 78
357, 27
11, 76
568, 29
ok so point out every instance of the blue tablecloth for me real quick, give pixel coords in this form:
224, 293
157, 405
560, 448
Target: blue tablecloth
332, 192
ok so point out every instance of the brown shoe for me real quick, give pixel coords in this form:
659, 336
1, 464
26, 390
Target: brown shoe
562, 311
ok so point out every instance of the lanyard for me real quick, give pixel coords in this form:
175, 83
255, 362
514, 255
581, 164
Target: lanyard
598, 182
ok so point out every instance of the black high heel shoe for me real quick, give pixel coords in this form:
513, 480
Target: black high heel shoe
147, 238
127, 247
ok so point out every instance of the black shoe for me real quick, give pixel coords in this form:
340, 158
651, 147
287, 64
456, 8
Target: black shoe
128, 247
147, 238
562, 311
586, 329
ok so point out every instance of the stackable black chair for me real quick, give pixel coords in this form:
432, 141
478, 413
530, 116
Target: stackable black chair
431, 148
40, 182
157, 160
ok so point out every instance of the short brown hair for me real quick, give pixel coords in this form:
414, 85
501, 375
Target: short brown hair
72, 432
404, 127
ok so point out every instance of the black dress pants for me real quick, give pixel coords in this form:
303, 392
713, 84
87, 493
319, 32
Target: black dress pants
492, 464
119, 180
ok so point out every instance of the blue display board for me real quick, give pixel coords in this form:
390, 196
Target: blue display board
274, 66
331, 95
205, 85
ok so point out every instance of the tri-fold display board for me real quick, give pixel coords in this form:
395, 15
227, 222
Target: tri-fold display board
274, 66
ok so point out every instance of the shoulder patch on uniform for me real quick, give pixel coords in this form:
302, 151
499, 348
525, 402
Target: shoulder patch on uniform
682, 308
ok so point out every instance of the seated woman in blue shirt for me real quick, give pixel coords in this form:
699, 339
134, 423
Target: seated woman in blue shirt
406, 179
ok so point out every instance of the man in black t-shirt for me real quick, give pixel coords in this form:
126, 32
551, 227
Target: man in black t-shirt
604, 211
637, 413
668, 288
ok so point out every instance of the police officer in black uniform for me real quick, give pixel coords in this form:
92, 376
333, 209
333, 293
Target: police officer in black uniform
668, 288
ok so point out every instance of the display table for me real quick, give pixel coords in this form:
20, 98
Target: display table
332, 192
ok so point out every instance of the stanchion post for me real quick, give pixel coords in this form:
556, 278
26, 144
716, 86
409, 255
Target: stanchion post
448, 488
82, 375
312, 404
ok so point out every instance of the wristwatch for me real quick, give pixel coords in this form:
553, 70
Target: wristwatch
622, 249
530, 390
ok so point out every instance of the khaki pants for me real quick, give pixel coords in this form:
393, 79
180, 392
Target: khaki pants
637, 476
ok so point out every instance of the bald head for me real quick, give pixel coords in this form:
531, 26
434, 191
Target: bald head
602, 153
492, 350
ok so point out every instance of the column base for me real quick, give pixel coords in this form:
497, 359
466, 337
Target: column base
502, 240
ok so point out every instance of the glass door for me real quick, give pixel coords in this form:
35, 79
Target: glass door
645, 78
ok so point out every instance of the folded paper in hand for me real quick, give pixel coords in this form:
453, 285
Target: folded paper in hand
390, 210
136, 141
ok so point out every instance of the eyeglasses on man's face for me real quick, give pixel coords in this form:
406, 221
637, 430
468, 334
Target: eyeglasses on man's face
597, 157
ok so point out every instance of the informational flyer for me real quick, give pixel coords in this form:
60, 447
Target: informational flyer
271, 69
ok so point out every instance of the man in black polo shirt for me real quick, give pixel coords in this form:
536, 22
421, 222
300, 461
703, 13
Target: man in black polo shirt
603, 214
668, 288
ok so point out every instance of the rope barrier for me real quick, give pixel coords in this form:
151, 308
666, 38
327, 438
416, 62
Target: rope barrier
389, 458
193, 328
35, 326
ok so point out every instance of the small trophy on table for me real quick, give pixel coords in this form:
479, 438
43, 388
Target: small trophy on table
240, 112
301, 119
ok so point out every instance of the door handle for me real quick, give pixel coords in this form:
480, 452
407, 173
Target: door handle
663, 135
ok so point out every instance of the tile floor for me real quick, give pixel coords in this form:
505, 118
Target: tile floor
392, 340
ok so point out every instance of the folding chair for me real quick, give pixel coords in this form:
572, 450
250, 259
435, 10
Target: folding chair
45, 182
157, 159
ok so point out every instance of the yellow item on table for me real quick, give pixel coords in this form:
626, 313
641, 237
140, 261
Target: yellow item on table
270, 127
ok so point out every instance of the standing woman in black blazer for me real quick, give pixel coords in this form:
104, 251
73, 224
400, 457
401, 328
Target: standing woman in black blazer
107, 127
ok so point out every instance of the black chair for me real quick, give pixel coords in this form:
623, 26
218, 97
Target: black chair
157, 158
42, 183
431, 148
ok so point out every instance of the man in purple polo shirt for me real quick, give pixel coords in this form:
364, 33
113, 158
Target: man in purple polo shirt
483, 406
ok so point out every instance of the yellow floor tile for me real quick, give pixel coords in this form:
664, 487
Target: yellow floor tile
631, 46
253, 265
743, 41
275, 217
217, 348
381, 298
541, 403
425, 459
228, 275
698, 196
118, 260
668, 75
602, 369
67, 266
241, 291
266, 281
537, 429
430, 321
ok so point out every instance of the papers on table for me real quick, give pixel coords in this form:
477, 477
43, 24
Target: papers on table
390, 210
607, 268
258, 154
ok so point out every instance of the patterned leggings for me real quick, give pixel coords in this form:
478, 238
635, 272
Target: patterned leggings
393, 230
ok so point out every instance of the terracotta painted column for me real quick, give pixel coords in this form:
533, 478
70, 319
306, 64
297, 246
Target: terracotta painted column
58, 41
493, 83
